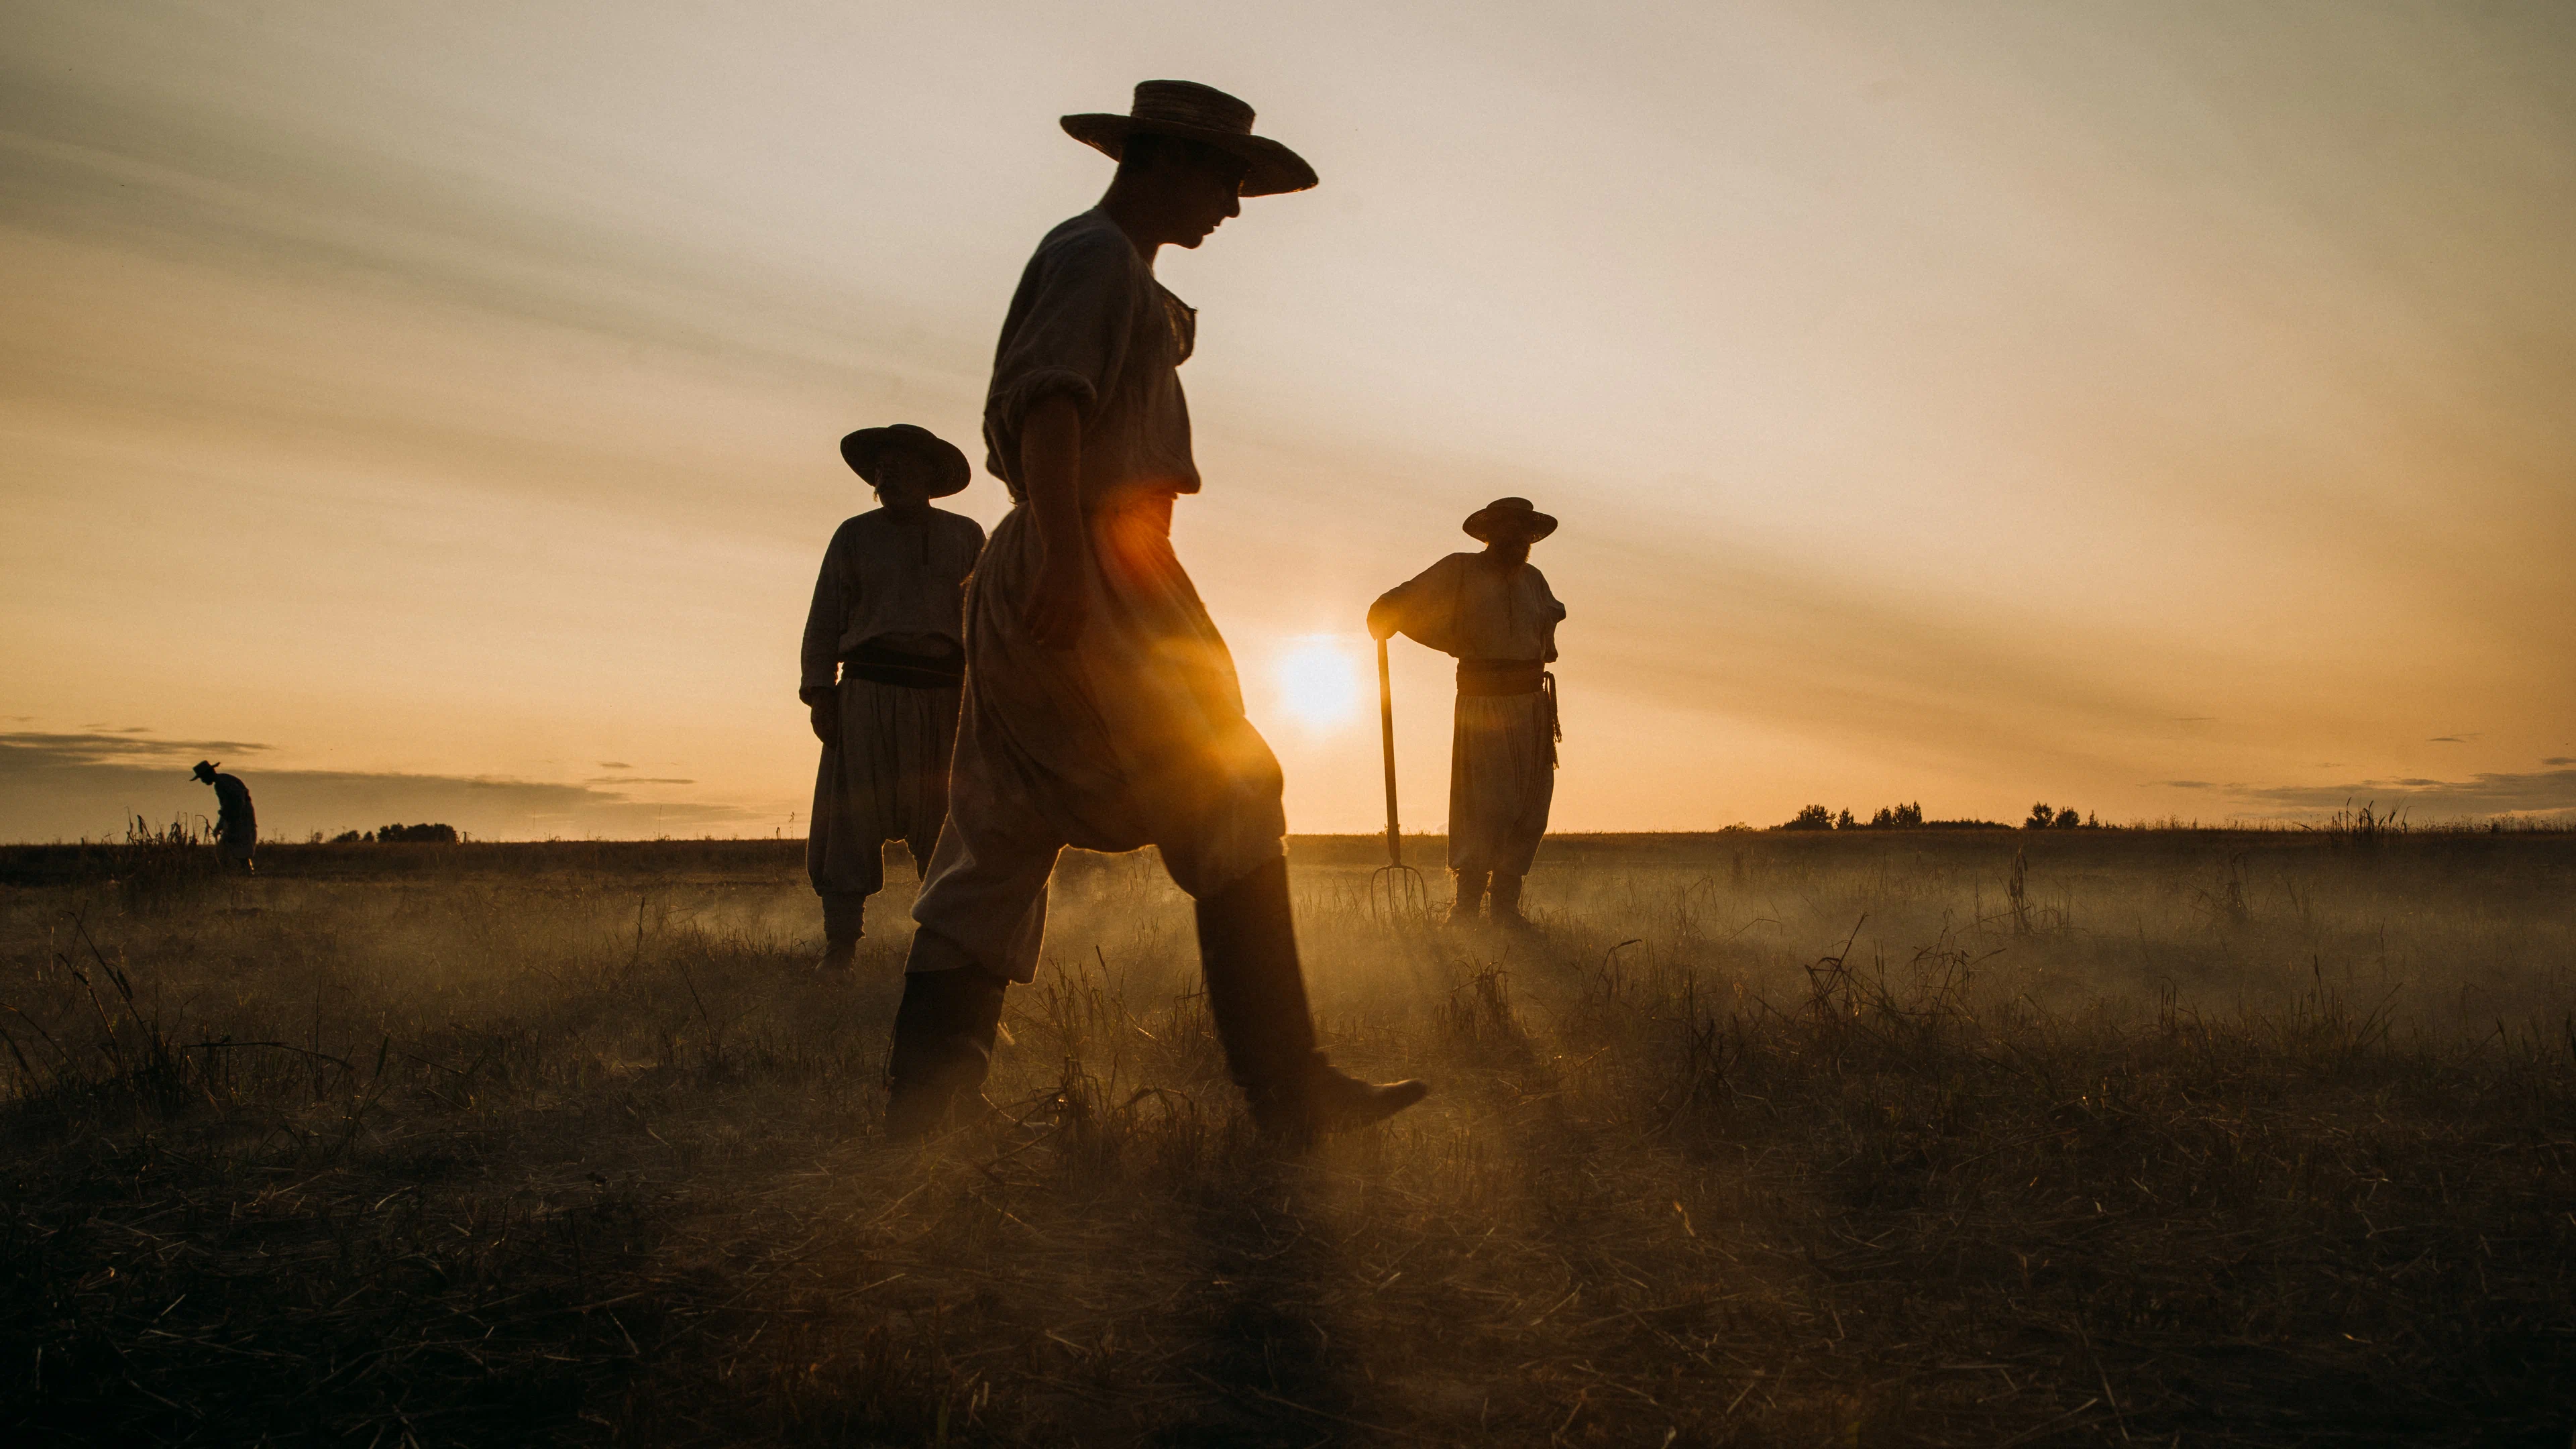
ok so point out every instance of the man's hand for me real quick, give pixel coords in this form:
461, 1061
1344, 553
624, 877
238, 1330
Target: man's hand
824, 706
1051, 476
1381, 621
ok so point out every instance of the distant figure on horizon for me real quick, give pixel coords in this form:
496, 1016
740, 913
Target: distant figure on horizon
883, 659
1102, 709
1493, 612
236, 824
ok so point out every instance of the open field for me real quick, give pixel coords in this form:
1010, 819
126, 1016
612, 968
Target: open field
1973, 1138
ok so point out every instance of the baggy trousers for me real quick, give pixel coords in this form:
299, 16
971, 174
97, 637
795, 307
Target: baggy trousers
886, 779
1134, 736
1502, 780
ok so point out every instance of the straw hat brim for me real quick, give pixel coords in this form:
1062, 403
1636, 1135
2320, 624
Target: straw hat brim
867, 449
1270, 169
1532, 523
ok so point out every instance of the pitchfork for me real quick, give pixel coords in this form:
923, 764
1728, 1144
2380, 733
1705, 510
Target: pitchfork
1394, 887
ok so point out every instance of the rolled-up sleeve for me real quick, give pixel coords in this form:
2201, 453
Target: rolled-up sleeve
1067, 335
1423, 608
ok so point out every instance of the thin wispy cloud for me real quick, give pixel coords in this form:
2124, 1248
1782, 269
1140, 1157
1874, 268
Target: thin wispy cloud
2431, 800
106, 745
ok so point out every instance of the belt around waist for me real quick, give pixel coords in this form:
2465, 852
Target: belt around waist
880, 665
1501, 676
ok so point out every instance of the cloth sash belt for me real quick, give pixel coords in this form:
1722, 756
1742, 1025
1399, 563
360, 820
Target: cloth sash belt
1515, 676
1501, 676
880, 665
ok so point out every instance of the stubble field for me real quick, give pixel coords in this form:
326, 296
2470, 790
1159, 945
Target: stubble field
1856, 1138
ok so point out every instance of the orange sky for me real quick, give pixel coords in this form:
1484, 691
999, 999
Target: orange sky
429, 409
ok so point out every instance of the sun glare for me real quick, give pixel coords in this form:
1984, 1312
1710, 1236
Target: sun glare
1319, 681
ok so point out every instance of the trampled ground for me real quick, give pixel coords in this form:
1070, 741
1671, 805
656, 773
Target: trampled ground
1887, 1138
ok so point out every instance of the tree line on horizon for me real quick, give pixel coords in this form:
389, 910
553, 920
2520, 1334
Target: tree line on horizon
1910, 817
425, 834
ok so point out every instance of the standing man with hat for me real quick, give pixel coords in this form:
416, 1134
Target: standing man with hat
884, 656
1493, 612
236, 824
1101, 707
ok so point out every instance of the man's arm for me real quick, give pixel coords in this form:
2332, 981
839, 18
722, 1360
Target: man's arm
1051, 477
1399, 609
1387, 614
819, 653
1553, 604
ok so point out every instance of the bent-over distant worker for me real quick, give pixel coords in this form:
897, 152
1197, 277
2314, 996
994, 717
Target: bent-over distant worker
236, 824
883, 660
1101, 708
1493, 612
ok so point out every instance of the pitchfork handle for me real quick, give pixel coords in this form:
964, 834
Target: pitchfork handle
1386, 739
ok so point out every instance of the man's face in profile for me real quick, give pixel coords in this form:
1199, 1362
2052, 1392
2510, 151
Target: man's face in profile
1200, 190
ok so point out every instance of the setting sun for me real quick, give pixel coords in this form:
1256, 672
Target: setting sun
1318, 679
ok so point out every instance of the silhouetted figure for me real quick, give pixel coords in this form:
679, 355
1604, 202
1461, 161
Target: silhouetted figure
1101, 706
236, 824
1492, 610
883, 659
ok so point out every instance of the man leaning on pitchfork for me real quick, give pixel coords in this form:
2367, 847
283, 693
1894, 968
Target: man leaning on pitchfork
1493, 611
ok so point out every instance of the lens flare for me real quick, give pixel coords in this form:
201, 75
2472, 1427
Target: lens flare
1318, 679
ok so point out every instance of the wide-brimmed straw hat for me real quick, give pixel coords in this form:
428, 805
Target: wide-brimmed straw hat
203, 770
1510, 517
1197, 113
867, 449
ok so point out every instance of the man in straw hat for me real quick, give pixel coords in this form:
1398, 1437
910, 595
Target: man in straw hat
1101, 706
1493, 612
883, 658
236, 824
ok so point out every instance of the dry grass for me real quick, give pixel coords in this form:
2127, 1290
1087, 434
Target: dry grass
1766, 1140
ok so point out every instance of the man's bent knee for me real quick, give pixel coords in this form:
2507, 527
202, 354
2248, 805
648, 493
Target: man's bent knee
932, 951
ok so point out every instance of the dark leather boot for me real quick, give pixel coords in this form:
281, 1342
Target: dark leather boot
1257, 995
1505, 907
943, 1046
1471, 897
